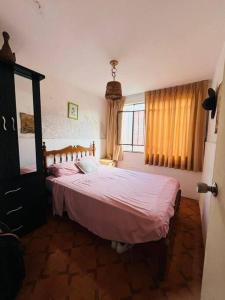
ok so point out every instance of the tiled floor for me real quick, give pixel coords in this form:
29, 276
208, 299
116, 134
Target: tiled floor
66, 262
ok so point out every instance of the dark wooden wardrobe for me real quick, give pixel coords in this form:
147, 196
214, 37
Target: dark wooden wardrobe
22, 192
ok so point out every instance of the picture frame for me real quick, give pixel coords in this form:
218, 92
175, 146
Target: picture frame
72, 111
27, 123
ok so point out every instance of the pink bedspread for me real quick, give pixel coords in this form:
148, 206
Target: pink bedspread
118, 204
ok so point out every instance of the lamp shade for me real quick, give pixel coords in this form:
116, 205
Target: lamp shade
113, 90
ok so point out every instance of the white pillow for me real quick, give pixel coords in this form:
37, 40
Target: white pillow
92, 158
87, 165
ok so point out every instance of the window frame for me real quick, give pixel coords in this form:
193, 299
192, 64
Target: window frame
132, 144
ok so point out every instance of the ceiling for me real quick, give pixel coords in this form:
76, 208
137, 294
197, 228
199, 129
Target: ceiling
158, 43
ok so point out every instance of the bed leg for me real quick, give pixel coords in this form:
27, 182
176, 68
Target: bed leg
163, 248
160, 261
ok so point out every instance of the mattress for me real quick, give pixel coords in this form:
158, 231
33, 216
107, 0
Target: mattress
117, 204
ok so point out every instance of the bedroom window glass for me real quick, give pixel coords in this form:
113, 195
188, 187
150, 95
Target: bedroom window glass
131, 127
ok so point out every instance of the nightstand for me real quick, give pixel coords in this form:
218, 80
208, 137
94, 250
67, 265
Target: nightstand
108, 162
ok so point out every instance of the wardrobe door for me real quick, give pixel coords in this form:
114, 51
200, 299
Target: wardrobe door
9, 156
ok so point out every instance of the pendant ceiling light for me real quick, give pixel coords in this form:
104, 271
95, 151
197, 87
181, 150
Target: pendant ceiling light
113, 88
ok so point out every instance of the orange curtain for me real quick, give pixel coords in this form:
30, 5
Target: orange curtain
176, 126
113, 150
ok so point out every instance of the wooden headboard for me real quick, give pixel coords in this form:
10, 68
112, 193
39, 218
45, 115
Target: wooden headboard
67, 153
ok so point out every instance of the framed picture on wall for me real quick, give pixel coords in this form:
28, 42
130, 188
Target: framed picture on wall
72, 111
27, 123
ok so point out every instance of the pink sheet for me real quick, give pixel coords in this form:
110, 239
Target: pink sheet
117, 204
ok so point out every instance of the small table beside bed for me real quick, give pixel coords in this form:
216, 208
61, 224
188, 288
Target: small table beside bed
115, 204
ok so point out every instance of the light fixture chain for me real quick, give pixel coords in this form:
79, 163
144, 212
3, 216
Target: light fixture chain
114, 72
113, 88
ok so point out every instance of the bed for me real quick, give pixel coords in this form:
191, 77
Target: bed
116, 204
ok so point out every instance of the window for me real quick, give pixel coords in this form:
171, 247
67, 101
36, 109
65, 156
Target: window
131, 127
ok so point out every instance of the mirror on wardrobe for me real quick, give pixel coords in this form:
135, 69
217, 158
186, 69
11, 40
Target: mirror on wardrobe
25, 124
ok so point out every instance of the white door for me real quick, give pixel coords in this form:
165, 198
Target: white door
213, 284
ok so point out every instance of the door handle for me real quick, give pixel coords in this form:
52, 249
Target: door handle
14, 210
204, 188
4, 123
12, 191
13, 124
17, 228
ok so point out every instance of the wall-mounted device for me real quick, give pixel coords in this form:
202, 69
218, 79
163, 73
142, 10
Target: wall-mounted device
210, 102
204, 188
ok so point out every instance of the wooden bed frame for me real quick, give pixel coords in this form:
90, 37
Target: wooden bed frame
68, 153
162, 248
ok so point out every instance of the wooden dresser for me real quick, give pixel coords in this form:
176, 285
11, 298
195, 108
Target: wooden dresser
22, 193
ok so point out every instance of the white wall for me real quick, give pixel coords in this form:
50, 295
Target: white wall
57, 129
210, 148
135, 161
60, 131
